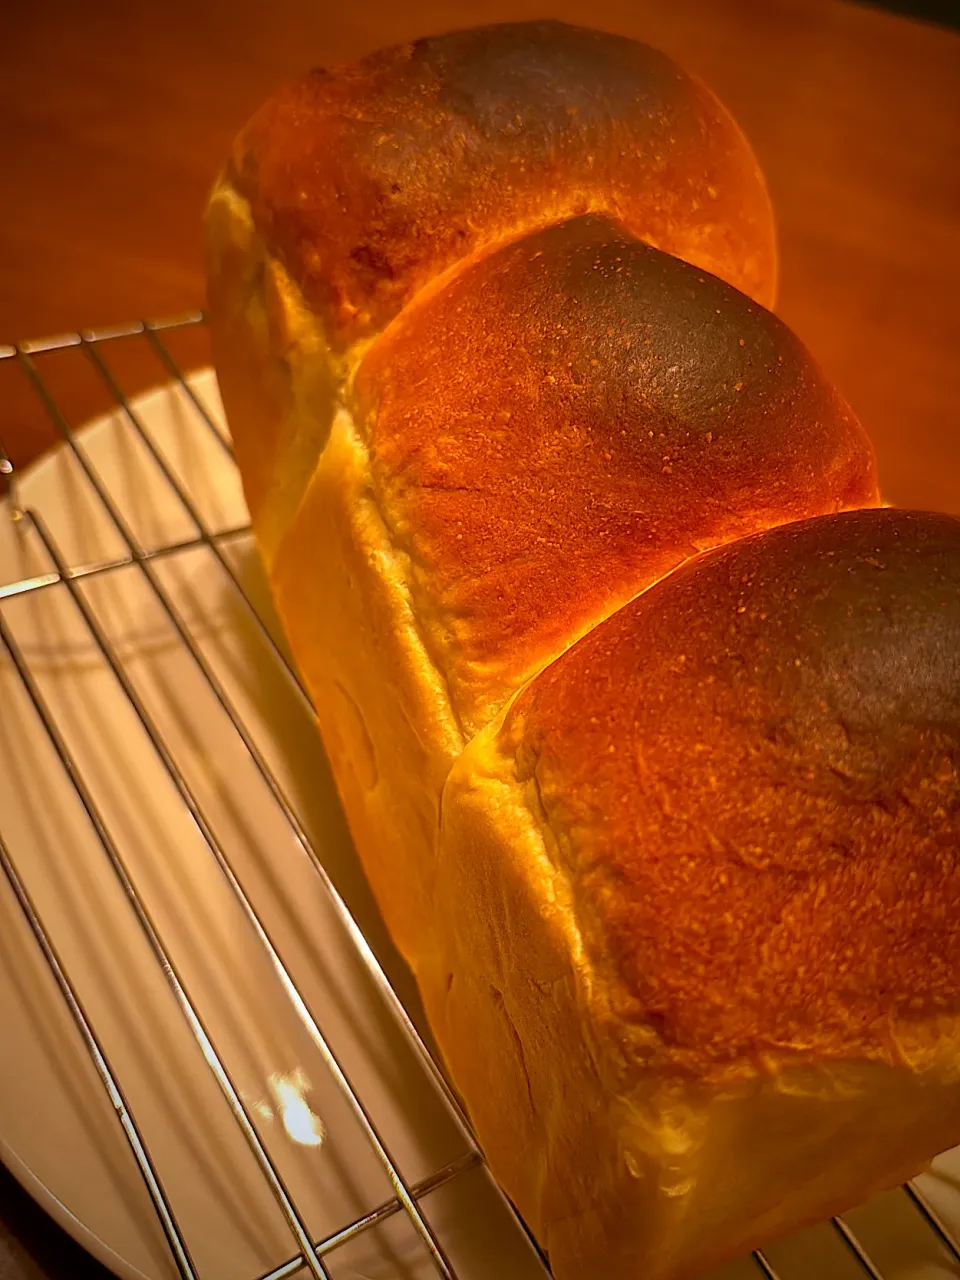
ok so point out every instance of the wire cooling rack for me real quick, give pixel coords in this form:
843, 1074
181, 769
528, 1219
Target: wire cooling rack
410, 1198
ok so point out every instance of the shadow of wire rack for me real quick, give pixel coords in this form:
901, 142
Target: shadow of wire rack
90, 522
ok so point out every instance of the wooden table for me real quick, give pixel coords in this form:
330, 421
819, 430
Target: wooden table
116, 116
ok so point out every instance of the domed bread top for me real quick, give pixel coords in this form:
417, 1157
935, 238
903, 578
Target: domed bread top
369, 180
568, 420
752, 776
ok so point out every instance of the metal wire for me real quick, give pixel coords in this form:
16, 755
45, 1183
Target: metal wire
405, 1198
205, 537
195, 1023
151, 1178
187, 502
388, 1209
856, 1249
42, 580
123, 528
193, 807
763, 1262
173, 368
933, 1220
171, 1228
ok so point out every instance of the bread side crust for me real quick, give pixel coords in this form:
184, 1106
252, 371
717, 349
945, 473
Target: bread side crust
279, 379
383, 709
340, 587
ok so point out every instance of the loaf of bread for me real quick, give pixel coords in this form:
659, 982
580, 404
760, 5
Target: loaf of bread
644, 712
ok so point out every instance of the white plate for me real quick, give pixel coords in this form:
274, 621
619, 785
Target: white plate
58, 1131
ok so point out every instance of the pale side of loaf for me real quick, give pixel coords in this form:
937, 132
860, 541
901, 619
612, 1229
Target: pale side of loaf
487, 321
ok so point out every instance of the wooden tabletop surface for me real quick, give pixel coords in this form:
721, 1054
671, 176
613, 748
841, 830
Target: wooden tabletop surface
116, 117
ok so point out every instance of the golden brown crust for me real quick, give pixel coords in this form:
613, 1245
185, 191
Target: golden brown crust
761, 811
371, 179
567, 420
